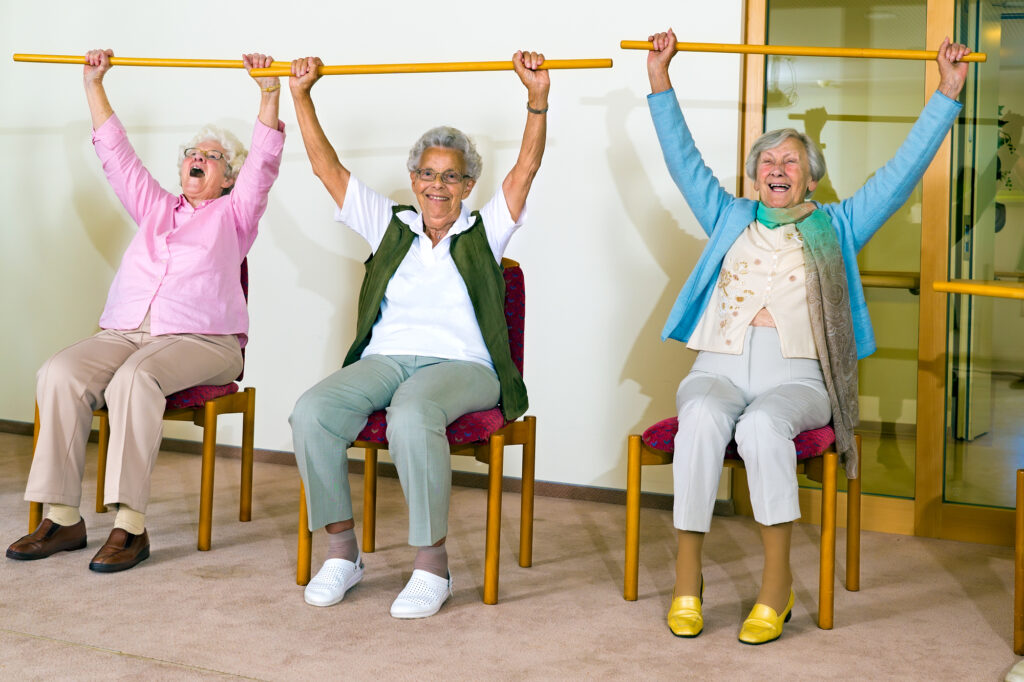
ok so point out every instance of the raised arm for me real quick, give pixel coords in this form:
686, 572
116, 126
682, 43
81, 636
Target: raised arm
322, 156
97, 63
658, 60
952, 71
518, 181
270, 88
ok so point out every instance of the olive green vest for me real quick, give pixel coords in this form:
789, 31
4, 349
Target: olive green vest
484, 281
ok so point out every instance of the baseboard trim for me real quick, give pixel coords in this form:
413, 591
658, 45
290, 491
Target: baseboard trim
465, 479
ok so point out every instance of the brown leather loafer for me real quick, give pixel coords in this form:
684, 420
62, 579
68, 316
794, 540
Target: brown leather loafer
48, 538
121, 551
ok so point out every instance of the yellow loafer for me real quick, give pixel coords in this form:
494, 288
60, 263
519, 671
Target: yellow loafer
764, 625
684, 617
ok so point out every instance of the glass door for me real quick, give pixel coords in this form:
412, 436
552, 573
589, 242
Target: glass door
984, 429
860, 111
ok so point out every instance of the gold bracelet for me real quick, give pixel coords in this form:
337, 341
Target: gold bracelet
272, 88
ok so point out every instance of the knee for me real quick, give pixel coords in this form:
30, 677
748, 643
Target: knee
58, 371
311, 408
759, 428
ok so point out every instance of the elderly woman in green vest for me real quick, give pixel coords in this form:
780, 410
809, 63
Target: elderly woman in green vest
431, 342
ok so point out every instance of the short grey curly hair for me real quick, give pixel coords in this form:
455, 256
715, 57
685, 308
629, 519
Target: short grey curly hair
234, 151
447, 138
773, 139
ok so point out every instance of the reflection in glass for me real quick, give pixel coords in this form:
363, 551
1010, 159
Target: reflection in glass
985, 373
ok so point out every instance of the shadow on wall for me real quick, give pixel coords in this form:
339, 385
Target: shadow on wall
657, 367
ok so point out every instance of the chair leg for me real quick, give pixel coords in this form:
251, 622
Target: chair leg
827, 570
369, 499
526, 509
632, 568
206, 484
1018, 569
492, 546
853, 531
101, 462
35, 509
248, 426
305, 551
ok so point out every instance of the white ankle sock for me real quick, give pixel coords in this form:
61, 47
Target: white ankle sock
63, 514
130, 520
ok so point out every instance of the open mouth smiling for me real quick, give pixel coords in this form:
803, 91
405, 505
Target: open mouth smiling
778, 187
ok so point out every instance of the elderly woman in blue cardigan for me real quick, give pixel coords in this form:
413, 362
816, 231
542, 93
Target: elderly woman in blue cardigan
776, 310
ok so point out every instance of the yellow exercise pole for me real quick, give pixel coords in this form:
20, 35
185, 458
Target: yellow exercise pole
802, 50
141, 61
436, 67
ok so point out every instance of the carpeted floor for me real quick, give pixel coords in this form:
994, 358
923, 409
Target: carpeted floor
927, 610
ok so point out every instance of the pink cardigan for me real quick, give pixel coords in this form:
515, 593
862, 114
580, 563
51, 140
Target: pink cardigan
182, 265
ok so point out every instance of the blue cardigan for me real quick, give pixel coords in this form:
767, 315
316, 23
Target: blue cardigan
724, 217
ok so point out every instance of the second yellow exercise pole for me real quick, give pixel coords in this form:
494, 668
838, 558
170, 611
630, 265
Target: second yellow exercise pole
802, 50
437, 67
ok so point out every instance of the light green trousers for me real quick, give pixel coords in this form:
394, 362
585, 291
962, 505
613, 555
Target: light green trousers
422, 396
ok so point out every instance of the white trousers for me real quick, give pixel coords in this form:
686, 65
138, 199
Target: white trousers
762, 400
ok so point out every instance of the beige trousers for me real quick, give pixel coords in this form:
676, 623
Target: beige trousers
131, 373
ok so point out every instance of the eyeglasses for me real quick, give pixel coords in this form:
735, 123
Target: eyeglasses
211, 154
448, 177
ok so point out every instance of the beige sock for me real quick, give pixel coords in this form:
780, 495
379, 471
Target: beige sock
63, 514
130, 520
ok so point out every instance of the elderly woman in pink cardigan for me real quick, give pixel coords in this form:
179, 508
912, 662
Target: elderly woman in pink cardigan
175, 317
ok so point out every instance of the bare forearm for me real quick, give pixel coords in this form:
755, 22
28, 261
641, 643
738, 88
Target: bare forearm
99, 105
518, 182
660, 81
269, 106
322, 156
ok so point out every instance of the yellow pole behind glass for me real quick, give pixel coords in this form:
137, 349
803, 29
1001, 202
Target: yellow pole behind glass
436, 67
802, 50
141, 61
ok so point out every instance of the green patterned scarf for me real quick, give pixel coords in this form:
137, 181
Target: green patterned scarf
831, 320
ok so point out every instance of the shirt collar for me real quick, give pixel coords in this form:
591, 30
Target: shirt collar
415, 221
183, 204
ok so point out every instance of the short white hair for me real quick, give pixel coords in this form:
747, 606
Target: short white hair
772, 139
447, 137
234, 151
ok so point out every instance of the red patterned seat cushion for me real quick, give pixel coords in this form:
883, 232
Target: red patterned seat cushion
198, 395
809, 444
469, 428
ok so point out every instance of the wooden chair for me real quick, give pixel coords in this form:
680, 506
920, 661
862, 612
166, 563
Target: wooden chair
200, 405
816, 457
482, 435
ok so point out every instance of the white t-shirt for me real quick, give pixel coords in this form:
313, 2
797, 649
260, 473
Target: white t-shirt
426, 308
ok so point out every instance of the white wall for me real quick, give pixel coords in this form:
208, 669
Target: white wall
608, 243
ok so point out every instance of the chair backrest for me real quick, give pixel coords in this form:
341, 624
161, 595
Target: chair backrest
515, 309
